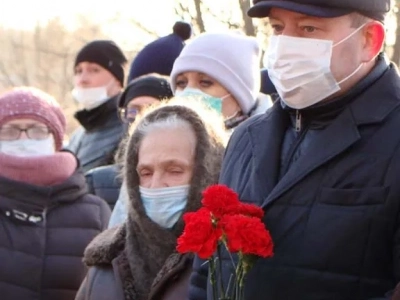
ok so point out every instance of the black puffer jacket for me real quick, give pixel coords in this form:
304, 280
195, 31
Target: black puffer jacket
97, 140
43, 233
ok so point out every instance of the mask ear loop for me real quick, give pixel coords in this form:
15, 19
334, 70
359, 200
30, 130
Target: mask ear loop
345, 39
349, 76
350, 35
226, 96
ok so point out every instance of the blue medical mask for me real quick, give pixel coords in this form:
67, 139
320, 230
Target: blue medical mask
164, 205
212, 102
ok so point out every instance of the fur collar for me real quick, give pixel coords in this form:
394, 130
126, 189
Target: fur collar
105, 247
109, 246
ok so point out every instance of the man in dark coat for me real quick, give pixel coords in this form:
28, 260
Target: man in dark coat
98, 80
324, 162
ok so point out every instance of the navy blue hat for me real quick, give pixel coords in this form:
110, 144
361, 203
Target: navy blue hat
375, 9
159, 56
267, 87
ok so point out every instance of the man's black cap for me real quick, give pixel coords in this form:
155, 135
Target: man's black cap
147, 85
374, 9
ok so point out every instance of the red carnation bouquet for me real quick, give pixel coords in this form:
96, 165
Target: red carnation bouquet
225, 223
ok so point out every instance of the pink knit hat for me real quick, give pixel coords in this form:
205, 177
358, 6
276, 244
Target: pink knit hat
32, 103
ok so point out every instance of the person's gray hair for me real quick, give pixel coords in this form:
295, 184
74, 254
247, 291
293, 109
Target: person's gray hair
156, 117
172, 121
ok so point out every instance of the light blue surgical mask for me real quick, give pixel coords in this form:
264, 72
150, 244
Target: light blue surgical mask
164, 205
212, 102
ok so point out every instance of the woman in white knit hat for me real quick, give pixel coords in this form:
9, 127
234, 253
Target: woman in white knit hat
223, 69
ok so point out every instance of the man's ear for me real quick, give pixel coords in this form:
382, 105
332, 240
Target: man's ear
374, 38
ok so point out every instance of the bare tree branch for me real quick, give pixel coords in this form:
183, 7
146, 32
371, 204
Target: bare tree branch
249, 28
199, 15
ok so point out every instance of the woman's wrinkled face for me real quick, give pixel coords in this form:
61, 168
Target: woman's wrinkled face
210, 86
166, 158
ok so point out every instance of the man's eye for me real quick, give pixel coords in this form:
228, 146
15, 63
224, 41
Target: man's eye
277, 28
309, 29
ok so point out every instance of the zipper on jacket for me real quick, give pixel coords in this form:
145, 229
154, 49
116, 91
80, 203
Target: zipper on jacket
298, 121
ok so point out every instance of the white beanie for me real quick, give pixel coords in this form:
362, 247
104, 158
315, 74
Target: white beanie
230, 58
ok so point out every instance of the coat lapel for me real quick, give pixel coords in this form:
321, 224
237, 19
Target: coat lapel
328, 143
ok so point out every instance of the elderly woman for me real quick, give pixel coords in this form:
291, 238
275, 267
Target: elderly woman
47, 218
223, 69
173, 153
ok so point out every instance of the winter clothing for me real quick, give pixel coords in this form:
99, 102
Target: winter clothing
106, 54
217, 55
159, 55
332, 207
263, 103
120, 211
152, 86
47, 217
32, 103
114, 281
97, 140
43, 233
105, 183
267, 87
59, 167
375, 9
138, 260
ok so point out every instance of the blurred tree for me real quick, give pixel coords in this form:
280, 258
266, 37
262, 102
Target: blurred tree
396, 47
43, 57
203, 14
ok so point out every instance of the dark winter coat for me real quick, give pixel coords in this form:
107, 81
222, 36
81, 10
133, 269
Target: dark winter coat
111, 279
105, 182
96, 142
334, 212
43, 234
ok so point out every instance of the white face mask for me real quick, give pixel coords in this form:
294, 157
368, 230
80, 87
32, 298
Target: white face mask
90, 98
165, 205
300, 69
28, 147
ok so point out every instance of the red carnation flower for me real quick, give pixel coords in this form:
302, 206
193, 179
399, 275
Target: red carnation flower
220, 200
247, 235
251, 210
200, 236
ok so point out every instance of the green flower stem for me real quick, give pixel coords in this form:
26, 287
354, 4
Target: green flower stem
221, 282
213, 279
239, 271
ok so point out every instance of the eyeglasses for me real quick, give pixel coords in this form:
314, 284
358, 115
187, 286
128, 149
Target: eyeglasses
14, 133
128, 114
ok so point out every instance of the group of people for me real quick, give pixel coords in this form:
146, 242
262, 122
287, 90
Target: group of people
311, 139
